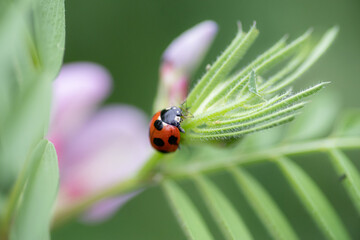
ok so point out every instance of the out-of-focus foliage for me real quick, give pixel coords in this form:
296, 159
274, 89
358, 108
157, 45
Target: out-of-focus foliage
32, 36
32, 44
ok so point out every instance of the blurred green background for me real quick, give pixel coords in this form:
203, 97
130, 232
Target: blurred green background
128, 38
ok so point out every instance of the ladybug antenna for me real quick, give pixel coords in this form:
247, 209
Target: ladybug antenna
185, 109
189, 114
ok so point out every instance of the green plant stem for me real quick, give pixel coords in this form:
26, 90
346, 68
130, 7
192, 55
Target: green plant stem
150, 165
142, 179
73, 211
145, 175
322, 145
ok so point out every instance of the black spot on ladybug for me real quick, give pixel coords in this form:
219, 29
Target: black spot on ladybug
163, 151
173, 140
158, 125
158, 142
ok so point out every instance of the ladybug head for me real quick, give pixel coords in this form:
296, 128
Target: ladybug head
178, 115
173, 116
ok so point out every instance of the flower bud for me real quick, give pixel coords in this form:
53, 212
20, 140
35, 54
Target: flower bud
180, 60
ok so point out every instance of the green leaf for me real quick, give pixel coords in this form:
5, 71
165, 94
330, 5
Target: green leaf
344, 167
239, 125
275, 114
285, 102
49, 21
313, 200
245, 122
276, 58
316, 53
240, 79
187, 215
221, 68
24, 128
252, 83
226, 107
196, 137
15, 57
288, 68
27, 169
32, 35
265, 208
349, 124
230, 223
33, 214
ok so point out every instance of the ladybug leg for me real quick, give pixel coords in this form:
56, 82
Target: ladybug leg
177, 124
181, 129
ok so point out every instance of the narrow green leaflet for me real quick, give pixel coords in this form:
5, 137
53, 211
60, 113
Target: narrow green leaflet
226, 135
313, 200
27, 169
219, 114
230, 223
15, 57
33, 36
276, 58
33, 214
344, 167
24, 128
252, 83
316, 53
241, 78
245, 123
221, 104
221, 68
288, 68
49, 21
265, 208
187, 215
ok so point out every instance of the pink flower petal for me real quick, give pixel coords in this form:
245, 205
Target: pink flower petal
79, 88
106, 208
180, 60
187, 50
111, 147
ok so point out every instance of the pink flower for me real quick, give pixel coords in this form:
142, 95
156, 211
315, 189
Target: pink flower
180, 60
97, 146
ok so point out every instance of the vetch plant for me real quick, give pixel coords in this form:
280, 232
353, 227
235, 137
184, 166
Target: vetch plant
225, 105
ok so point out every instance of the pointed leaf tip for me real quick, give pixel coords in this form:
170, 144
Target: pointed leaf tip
239, 24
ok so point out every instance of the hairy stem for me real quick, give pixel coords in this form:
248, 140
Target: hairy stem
322, 145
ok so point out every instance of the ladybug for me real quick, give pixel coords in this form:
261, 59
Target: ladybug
165, 129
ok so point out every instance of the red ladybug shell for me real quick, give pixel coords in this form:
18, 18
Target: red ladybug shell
166, 138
